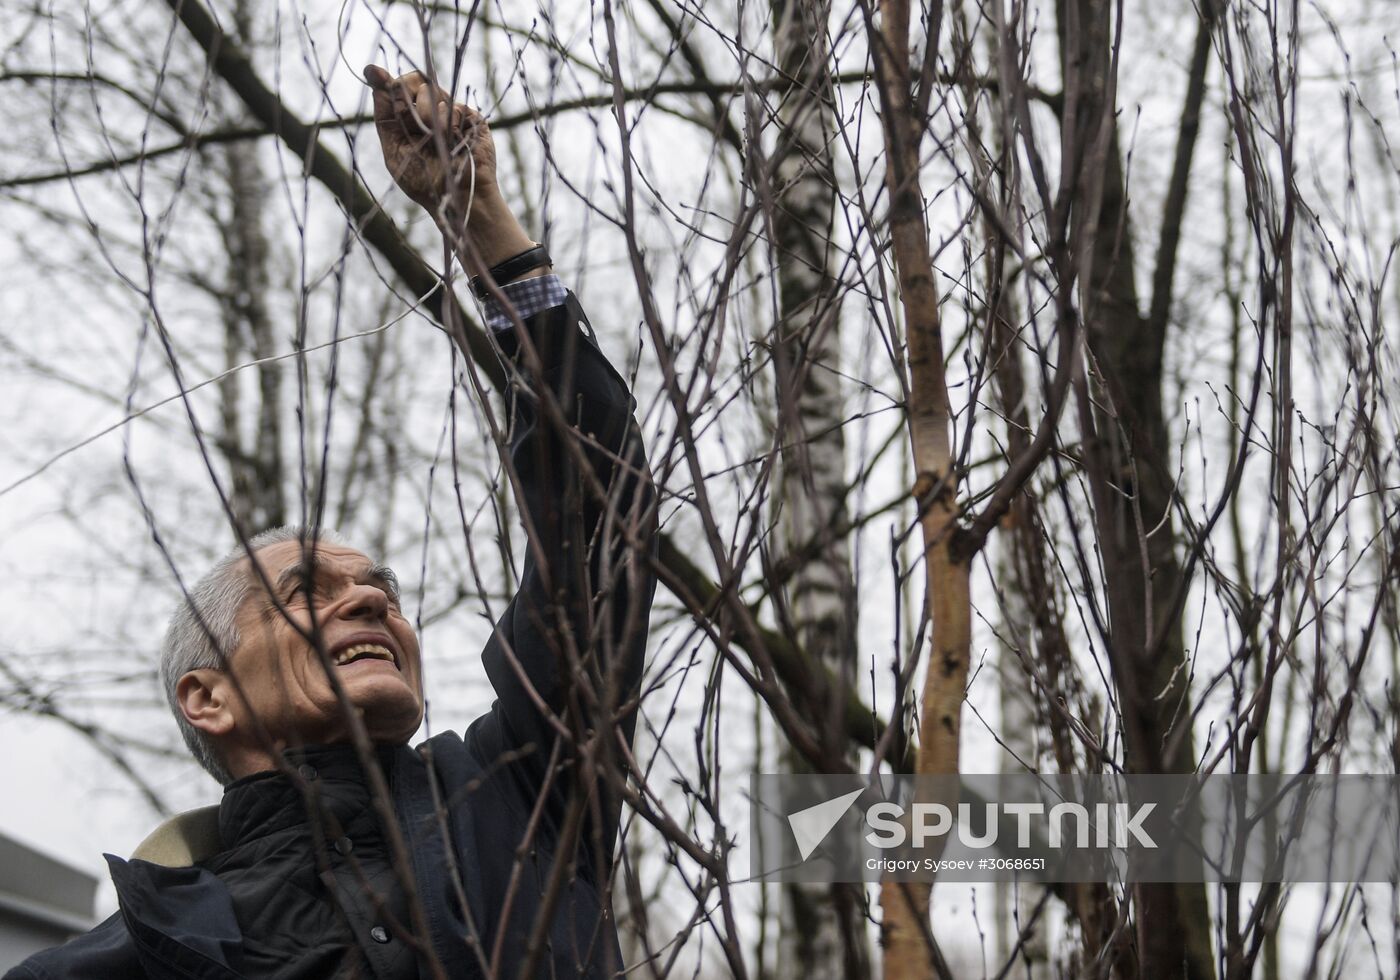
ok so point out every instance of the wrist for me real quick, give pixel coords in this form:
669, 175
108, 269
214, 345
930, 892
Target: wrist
495, 248
490, 230
531, 263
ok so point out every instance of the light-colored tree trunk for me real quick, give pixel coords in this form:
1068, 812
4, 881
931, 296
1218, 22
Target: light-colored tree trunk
908, 943
822, 933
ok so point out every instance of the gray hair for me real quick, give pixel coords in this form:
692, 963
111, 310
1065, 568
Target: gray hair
203, 630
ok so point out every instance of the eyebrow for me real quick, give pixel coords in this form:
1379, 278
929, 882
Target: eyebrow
298, 572
306, 569
386, 575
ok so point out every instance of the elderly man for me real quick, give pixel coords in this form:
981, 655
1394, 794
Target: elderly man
337, 850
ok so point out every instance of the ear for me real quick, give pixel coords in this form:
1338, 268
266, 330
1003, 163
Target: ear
206, 699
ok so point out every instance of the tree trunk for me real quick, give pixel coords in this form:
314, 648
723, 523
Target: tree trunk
1127, 458
1016, 901
910, 951
256, 493
822, 933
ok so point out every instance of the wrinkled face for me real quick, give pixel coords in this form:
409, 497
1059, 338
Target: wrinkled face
347, 606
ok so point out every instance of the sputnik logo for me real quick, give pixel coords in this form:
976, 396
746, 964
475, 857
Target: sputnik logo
810, 826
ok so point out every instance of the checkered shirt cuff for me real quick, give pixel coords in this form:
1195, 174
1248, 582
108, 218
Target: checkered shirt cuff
525, 297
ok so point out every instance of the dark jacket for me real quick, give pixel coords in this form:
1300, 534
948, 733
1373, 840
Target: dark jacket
287, 896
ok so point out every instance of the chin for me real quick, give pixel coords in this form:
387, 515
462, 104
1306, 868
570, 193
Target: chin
391, 713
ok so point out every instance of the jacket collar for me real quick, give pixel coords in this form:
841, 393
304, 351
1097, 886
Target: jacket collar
180, 920
328, 778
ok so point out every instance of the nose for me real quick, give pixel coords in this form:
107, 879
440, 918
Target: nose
365, 602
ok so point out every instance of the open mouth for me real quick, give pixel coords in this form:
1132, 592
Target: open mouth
364, 651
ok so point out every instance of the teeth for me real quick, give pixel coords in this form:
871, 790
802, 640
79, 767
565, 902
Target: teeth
363, 649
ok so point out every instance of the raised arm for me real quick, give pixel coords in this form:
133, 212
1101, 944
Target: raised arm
571, 641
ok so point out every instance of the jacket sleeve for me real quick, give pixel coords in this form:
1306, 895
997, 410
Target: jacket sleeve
106, 952
579, 617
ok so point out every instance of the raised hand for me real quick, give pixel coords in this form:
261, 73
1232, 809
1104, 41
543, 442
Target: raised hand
409, 112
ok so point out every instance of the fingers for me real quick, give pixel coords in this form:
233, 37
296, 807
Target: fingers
462, 128
411, 99
380, 81
377, 77
469, 118
421, 95
418, 107
425, 106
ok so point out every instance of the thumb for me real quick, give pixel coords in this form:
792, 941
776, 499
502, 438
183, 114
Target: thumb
377, 77
382, 83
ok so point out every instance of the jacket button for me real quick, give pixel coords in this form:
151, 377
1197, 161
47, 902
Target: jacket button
344, 846
307, 773
379, 934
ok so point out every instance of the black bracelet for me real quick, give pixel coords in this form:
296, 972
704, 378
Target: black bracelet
512, 268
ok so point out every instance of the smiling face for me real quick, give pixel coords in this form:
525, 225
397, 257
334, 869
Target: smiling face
336, 600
